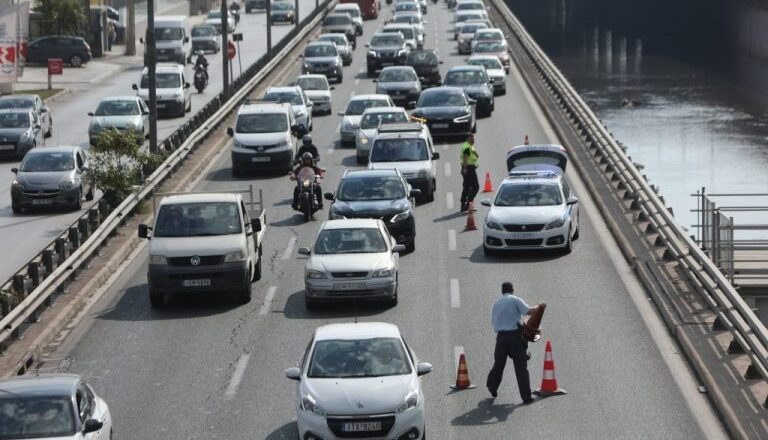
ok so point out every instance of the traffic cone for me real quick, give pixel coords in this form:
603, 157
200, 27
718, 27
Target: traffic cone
488, 187
525, 141
548, 382
462, 376
471, 226
531, 327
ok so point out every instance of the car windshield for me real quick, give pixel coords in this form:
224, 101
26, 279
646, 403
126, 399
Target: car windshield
350, 241
356, 107
352, 12
198, 219
214, 14
407, 32
164, 81
372, 120
489, 46
46, 162
397, 75
262, 123
36, 417
470, 6
489, 36
313, 83
16, 103
371, 188
169, 33
399, 150
14, 120
338, 39
394, 39
117, 108
529, 194
203, 31
339, 358
466, 17
291, 96
472, 28
421, 58
407, 7
284, 6
409, 19
337, 19
320, 50
465, 77
488, 63
441, 99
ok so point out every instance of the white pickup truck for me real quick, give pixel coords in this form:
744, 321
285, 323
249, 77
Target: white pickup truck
204, 242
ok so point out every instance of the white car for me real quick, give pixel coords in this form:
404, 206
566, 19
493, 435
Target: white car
318, 90
359, 380
353, 10
172, 89
532, 210
369, 124
52, 406
354, 112
300, 104
495, 70
352, 259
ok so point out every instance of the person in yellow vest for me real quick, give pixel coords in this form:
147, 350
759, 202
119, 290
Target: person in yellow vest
470, 184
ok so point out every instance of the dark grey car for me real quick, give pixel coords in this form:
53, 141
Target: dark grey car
20, 132
73, 50
30, 102
401, 83
340, 23
474, 80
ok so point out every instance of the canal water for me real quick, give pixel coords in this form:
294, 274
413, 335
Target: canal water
692, 112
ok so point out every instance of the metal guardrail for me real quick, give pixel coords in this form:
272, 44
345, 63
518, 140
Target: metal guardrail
48, 272
733, 314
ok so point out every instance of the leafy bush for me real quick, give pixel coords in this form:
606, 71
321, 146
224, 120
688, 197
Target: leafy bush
61, 17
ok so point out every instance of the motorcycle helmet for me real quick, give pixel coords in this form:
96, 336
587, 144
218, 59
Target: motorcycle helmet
307, 140
307, 156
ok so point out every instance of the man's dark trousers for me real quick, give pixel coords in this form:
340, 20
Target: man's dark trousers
469, 186
510, 344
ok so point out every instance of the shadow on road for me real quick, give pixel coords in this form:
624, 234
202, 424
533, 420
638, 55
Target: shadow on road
133, 305
285, 432
225, 175
296, 309
506, 257
486, 413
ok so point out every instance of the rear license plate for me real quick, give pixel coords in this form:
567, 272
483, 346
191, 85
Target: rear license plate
387, 64
361, 426
260, 159
439, 125
7, 147
521, 236
349, 286
160, 105
42, 201
204, 282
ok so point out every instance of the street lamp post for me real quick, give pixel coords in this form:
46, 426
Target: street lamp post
224, 41
150, 59
269, 26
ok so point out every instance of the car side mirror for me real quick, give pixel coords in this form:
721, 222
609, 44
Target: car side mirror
439, 83
186, 39
333, 87
572, 200
441, 62
398, 248
435, 155
340, 113
301, 55
15, 170
310, 104
367, 45
144, 231
187, 85
415, 192
134, 87
90, 113
141, 40
412, 103
485, 202
256, 225
85, 168
472, 101
295, 128
304, 250
44, 110
422, 79
37, 127
376, 80
328, 196
92, 425
230, 131
293, 373
423, 368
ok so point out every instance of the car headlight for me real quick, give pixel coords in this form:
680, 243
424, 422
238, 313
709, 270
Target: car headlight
335, 216
307, 66
17, 184
401, 216
493, 225
372, 53
158, 259
347, 124
24, 137
67, 184
461, 119
382, 273
178, 94
309, 404
232, 257
557, 223
362, 140
401, 52
336, 62
300, 112
411, 401
315, 275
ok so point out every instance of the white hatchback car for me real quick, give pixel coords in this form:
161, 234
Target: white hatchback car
369, 124
350, 121
495, 70
318, 90
359, 380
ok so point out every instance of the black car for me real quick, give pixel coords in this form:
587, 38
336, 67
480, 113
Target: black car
250, 5
381, 194
283, 12
401, 83
73, 50
385, 50
447, 111
426, 65
476, 83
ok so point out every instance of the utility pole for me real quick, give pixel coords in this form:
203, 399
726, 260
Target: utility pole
224, 41
296, 17
269, 26
151, 68
130, 29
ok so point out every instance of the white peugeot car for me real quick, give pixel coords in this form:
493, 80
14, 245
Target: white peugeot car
369, 124
354, 112
531, 211
359, 380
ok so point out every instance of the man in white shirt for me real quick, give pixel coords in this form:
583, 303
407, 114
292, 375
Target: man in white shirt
506, 316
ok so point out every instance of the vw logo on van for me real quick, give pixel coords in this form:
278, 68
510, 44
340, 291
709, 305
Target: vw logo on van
195, 261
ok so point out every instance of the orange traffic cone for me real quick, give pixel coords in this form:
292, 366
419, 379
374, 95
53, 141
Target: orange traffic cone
531, 327
548, 382
462, 376
471, 226
525, 142
488, 187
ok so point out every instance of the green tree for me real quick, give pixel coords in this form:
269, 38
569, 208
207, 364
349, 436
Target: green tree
61, 17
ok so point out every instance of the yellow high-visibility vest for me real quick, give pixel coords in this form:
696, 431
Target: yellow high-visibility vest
470, 153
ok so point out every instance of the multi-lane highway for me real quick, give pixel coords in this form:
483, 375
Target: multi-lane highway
24, 235
206, 368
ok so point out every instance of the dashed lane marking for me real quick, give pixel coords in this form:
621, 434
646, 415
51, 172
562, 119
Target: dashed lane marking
455, 296
447, 169
449, 200
357, 81
268, 300
338, 128
289, 248
237, 376
451, 239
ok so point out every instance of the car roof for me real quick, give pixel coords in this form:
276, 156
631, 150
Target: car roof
329, 36
369, 96
199, 198
351, 174
311, 75
384, 110
443, 89
26, 110
322, 43
120, 98
358, 330
371, 223
54, 149
338, 14
464, 67
483, 57
6, 97
527, 177
166, 67
343, 6
63, 385
490, 30
264, 107
408, 68
282, 89
398, 26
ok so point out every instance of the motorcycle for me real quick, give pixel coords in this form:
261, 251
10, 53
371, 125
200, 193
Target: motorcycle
201, 78
308, 202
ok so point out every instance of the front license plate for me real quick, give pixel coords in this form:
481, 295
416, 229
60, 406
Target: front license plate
361, 426
521, 236
349, 286
260, 159
203, 282
439, 125
42, 201
7, 147
160, 105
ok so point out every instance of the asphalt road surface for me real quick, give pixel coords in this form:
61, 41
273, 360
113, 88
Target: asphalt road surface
171, 373
24, 235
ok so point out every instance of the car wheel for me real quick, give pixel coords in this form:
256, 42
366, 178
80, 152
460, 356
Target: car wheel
340, 79
309, 303
430, 197
49, 133
156, 300
244, 296
78, 205
75, 60
488, 252
576, 233
257, 270
568, 245
15, 208
474, 128
89, 194
371, 72
411, 245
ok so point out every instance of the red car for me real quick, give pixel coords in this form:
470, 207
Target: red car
368, 8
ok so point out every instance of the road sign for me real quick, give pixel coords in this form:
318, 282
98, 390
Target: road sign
237, 36
55, 66
231, 50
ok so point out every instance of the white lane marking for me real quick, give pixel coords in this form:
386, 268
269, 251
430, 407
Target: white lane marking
352, 93
449, 200
451, 239
268, 300
457, 352
289, 248
357, 81
447, 169
237, 376
362, 69
455, 297
338, 128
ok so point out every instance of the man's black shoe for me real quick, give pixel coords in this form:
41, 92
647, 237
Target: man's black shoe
528, 401
494, 394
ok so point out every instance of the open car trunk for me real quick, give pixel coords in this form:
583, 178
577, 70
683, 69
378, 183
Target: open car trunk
537, 158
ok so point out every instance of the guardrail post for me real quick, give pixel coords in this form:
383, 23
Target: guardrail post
50, 260
20, 286
735, 347
82, 226
94, 219
33, 269
62, 249
74, 237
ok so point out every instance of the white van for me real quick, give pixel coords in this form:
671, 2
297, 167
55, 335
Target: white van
173, 91
171, 39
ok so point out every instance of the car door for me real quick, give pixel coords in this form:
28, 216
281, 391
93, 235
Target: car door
37, 129
144, 113
44, 118
186, 91
63, 48
82, 166
40, 50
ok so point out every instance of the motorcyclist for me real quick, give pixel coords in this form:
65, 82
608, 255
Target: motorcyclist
307, 147
307, 170
201, 62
